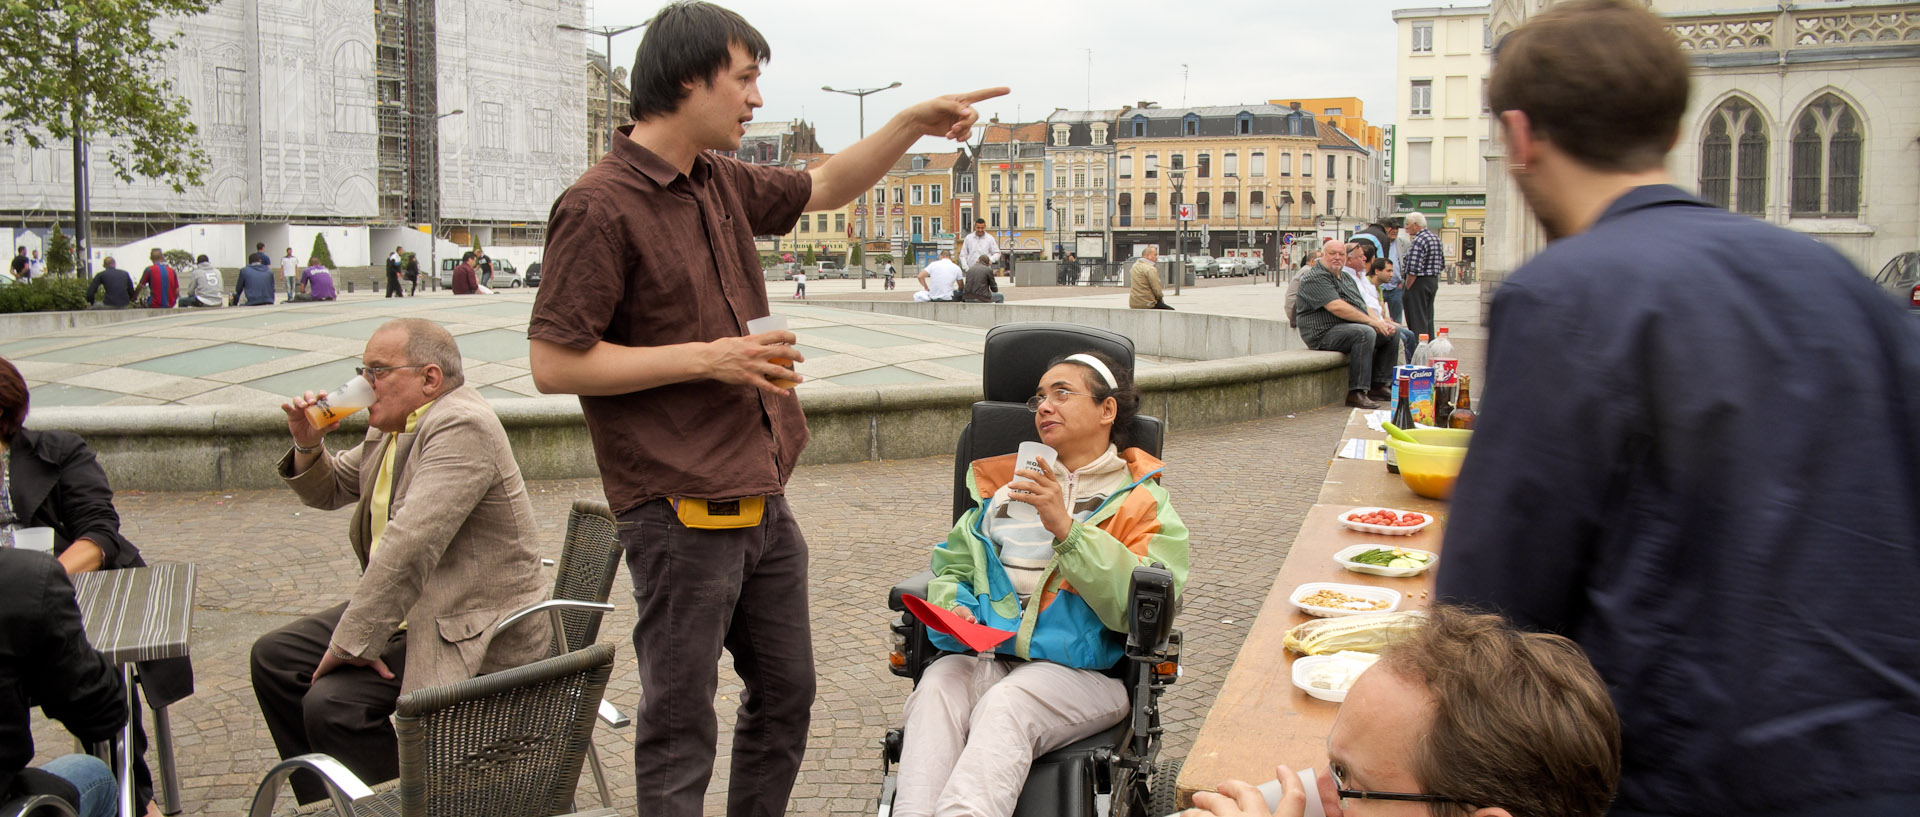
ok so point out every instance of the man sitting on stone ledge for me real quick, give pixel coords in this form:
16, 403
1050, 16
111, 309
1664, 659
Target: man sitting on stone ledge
1332, 316
445, 537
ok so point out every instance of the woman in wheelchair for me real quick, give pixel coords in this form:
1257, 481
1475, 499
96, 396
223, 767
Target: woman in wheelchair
974, 725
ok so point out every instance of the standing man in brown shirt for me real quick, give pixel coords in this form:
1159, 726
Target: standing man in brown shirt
651, 279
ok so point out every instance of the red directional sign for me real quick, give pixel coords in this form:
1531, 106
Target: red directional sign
1183, 212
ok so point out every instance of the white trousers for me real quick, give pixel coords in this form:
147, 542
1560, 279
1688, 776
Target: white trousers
968, 754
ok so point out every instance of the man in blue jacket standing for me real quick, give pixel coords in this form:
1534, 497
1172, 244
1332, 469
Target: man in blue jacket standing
1697, 454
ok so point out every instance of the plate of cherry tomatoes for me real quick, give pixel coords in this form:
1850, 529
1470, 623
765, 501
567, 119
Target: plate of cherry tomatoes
1386, 521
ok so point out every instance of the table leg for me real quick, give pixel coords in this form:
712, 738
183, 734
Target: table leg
123, 764
169, 771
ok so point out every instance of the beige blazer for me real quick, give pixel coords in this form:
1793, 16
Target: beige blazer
458, 554
1145, 290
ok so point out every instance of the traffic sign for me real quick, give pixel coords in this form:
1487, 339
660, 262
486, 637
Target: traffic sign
1287, 239
1183, 212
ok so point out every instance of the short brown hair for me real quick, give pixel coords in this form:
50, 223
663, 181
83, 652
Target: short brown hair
1600, 79
1521, 720
13, 401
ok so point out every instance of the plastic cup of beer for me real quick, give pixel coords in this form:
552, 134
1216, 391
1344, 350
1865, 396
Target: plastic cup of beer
40, 539
1028, 459
773, 323
334, 406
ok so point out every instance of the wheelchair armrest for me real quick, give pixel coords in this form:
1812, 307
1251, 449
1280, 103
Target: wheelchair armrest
612, 716
1151, 605
342, 786
915, 585
28, 806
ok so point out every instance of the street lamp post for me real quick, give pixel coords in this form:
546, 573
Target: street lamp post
1179, 230
861, 94
433, 192
608, 32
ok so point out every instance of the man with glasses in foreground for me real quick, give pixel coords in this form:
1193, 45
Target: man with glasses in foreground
1466, 716
445, 536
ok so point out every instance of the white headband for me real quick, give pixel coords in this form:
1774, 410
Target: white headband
1095, 364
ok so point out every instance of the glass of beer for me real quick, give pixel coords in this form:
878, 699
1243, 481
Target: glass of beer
773, 323
334, 406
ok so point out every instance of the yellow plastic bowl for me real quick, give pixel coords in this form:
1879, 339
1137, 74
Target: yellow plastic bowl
1431, 466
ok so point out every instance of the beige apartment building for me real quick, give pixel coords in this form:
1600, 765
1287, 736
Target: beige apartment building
1441, 140
1253, 174
1010, 186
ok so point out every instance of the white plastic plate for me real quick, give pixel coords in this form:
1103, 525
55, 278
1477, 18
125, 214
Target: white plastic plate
1391, 597
1385, 530
1344, 558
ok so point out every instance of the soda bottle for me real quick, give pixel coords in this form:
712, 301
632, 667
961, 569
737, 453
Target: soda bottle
1442, 345
1463, 414
1423, 353
1402, 417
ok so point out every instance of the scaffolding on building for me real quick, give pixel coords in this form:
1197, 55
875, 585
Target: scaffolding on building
404, 66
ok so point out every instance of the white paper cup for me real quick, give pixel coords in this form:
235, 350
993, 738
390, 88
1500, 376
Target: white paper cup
40, 539
1028, 459
1272, 791
773, 323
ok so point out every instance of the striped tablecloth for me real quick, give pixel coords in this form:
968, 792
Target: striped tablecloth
139, 613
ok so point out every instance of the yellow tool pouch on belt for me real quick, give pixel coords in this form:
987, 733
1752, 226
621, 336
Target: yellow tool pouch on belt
717, 514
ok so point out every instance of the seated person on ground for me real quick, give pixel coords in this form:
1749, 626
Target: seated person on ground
254, 286
1332, 316
465, 281
52, 480
973, 727
979, 287
1467, 716
316, 283
445, 537
205, 287
45, 659
940, 280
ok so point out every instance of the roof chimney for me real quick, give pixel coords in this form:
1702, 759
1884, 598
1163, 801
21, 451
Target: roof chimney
1294, 105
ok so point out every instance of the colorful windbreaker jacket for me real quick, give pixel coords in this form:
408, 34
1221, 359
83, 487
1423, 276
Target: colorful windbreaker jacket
1079, 616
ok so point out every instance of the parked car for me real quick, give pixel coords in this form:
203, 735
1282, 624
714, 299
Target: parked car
505, 275
1901, 279
825, 270
1203, 265
533, 274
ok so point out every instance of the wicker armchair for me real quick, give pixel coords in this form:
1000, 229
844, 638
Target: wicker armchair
508, 744
589, 561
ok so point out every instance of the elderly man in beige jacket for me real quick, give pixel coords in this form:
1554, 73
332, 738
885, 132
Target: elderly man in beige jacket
445, 537
1146, 292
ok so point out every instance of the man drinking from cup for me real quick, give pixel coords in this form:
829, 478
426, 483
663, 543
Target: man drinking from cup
444, 533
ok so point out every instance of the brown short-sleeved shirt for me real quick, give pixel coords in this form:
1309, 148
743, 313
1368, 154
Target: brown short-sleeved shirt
640, 255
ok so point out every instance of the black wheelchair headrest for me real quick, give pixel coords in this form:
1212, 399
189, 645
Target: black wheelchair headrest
1017, 354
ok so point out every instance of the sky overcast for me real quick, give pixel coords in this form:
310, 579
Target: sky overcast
1236, 52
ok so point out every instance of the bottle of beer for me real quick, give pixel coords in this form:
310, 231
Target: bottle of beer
1402, 417
1463, 414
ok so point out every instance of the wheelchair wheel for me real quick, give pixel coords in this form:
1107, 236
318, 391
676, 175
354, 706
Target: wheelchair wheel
1163, 797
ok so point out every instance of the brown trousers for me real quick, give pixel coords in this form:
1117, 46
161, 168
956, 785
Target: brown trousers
344, 714
696, 591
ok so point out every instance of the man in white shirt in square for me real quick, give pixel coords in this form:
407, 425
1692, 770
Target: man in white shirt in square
940, 280
979, 243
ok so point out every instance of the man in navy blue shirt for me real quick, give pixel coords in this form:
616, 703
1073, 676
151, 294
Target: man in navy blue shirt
1698, 456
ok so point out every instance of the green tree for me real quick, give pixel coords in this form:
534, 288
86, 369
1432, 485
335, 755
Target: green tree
320, 255
180, 259
807, 259
110, 88
59, 252
856, 257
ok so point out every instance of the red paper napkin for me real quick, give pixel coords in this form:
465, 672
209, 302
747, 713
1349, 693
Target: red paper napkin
977, 637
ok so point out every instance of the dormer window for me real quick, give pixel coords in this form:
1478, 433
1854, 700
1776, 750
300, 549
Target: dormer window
1139, 125
1061, 134
1190, 125
1243, 124
919, 163
1099, 132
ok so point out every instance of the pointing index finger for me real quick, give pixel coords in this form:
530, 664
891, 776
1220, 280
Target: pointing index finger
984, 93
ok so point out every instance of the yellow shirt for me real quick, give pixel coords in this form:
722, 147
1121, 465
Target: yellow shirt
383, 481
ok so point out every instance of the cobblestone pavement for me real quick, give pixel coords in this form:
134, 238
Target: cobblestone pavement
265, 559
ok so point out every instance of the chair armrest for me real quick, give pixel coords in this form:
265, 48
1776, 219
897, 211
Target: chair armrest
342, 786
551, 604
1151, 604
915, 585
27, 806
612, 716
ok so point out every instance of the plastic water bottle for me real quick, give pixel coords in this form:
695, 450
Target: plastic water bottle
1423, 353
